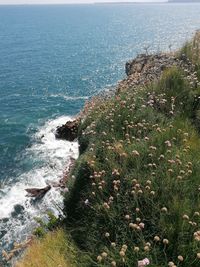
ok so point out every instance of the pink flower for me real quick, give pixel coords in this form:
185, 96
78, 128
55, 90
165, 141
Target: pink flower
143, 262
141, 225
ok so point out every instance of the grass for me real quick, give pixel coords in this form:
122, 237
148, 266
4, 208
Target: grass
192, 51
136, 192
52, 251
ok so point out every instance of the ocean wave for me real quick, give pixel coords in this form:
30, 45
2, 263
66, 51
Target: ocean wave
72, 98
49, 158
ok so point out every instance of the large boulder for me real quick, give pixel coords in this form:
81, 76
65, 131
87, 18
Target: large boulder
68, 131
37, 192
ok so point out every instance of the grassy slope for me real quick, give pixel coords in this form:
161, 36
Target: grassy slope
137, 187
53, 250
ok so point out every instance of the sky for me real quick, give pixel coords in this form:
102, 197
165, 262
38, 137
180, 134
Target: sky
9, 2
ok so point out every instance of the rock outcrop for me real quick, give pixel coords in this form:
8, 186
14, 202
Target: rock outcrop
147, 68
68, 131
38, 192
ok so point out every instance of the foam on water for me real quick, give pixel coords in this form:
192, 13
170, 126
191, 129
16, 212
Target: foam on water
72, 98
49, 159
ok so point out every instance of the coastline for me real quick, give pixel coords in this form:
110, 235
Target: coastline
139, 75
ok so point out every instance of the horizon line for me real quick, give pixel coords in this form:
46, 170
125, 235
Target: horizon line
83, 3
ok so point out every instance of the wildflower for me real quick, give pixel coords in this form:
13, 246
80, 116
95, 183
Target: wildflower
113, 244
111, 198
171, 161
99, 258
148, 182
146, 248
152, 193
107, 234
197, 236
134, 181
180, 258
185, 217
156, 238
104, 254
143, 262
124, 247
106, 206
136, 249
141, 225
135, 153
165, 241
137, 185
152, 148
127, 217
196, 213
168, 143
113, 264
86, 202
122, 253
133, 225
198, 255
171, 264
148, 244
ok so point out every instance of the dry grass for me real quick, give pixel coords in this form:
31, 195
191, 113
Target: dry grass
51, 251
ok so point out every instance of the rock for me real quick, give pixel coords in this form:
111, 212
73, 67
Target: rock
18, 209
147, 68
38, 192
62, 182
68, 131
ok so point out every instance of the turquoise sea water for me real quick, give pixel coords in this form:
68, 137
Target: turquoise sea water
53, 58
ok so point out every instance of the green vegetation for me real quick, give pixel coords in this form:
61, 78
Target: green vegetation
137, 189
52, 223
192, 51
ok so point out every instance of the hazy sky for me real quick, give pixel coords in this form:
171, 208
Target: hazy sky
67, 1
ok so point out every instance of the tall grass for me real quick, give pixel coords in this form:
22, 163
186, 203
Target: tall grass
192, 51
136, 192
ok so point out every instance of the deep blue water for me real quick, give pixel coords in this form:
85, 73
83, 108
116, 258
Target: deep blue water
52, 58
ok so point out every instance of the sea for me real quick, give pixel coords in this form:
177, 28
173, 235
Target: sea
54, 58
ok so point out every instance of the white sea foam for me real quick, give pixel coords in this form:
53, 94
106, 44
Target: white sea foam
49, 157
72, 98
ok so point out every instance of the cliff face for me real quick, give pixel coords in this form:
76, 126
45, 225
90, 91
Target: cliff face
145, 69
